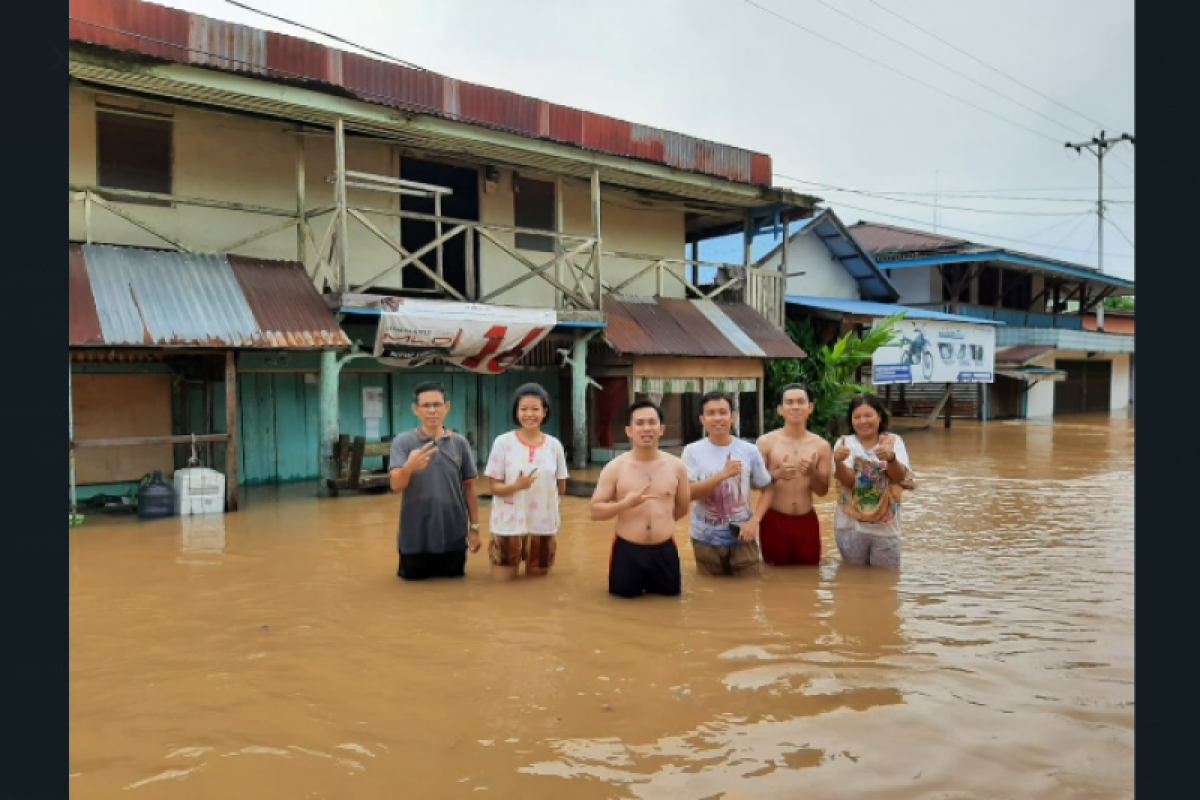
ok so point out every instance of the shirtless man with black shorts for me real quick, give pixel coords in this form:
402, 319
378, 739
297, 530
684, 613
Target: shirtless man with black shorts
648, 493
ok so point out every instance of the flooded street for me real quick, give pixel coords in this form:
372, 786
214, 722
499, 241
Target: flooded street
274, 653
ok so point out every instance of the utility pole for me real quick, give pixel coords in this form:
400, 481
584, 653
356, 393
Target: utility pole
1100, 147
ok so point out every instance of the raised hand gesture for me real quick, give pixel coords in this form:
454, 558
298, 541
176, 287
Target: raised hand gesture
842, 454
420, 460
526, 482
886, 449
733, 469
787, 470
639, 499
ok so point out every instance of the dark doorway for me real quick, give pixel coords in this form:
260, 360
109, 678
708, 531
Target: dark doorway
462, 205
1087, 389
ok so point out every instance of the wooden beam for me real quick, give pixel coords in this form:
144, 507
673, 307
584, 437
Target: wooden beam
343, 204
231, 426
148, 441
411, 260
137, 223
117, 194
535, 271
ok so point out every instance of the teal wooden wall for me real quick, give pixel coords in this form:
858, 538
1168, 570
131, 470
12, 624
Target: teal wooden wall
279, 408
279, 415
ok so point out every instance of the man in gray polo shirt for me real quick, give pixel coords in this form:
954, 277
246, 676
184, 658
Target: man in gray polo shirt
434, 469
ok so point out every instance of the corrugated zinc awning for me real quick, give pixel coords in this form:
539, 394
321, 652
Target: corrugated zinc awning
129, 297
859, 308
694, 329
1022, 356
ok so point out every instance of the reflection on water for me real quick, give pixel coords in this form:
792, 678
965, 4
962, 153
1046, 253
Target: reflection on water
274, 653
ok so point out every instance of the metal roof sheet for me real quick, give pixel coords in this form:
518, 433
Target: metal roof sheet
879, 310
1022, 356
82, 320
879, 239
150, 298
693, 329
181, 37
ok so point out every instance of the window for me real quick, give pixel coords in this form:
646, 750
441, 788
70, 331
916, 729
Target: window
536, 210
134, 151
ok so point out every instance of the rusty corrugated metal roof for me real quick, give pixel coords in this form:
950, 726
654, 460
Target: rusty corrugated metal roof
1022, 356
286, 306
776, 343
890, 240
82, 320
150, 298
693, 329
178, 36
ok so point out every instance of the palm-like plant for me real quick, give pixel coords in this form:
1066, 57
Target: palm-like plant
831, 373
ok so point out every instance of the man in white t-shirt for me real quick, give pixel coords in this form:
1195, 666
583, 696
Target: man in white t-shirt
724, 472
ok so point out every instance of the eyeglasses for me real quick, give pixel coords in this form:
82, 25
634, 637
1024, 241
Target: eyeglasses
432, 406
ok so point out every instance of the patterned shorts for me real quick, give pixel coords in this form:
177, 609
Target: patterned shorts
510, 552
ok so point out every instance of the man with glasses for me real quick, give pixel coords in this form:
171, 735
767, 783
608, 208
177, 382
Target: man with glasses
434, 470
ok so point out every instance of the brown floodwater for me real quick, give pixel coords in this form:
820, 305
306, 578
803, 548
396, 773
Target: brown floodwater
274, 653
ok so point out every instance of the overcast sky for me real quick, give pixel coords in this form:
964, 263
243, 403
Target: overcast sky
727, 71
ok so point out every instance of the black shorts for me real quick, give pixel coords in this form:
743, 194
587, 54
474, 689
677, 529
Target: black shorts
645, 569
428, 567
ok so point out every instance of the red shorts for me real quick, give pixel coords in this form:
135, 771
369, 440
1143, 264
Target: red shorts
792, 541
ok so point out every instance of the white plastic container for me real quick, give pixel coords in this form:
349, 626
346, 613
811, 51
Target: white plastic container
199, 492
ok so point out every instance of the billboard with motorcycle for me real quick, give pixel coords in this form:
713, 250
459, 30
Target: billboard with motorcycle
938, 352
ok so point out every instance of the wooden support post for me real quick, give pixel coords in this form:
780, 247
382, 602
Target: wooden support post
440, 233
762, 406
231, 428
749, 243
787, 257
560, 227
949, 406
343, 218
598, 234
301, 202
87, 217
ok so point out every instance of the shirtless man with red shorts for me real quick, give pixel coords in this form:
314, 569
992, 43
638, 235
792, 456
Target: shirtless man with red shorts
801, 464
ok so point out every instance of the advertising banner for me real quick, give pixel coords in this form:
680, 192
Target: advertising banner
487, 340
938, 352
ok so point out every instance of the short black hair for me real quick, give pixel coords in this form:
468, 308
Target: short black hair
870, 400
716, 397
430, 388
795, 387
643, 405
535, 392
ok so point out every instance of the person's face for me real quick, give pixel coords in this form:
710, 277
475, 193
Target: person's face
532, 413
796, 408
718, 419
647, 429
867, 422
432, 409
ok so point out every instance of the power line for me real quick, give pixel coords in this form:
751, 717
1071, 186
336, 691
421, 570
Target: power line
905, 75
997, 70
1058, 245
1124, 235
972, 233
936, 62
967, 195
995, 212
319, 32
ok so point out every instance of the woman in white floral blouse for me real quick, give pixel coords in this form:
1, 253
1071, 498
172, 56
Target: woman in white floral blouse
528, 468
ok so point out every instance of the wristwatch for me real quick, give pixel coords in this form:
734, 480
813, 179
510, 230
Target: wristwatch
475, 528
